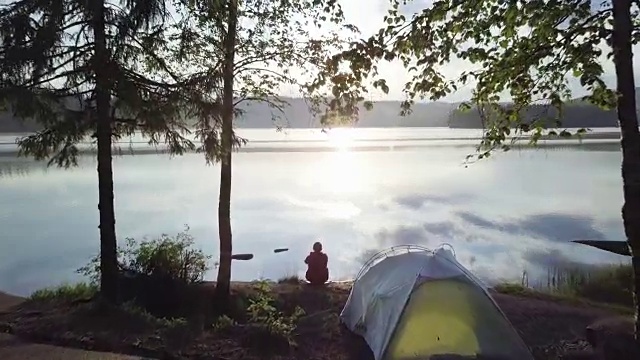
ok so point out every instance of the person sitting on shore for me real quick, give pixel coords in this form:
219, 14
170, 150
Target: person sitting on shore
317, 271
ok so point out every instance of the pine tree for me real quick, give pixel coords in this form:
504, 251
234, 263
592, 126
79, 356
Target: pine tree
86, 71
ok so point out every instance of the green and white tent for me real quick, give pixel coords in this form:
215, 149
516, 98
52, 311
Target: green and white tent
422, 304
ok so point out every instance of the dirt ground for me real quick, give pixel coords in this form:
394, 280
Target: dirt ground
7, 301
552, 329
14, 348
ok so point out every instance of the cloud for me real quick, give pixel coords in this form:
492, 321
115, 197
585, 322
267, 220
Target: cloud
495, 248
332, 209
448, 231
417, 201
365, 256
551, 258
552, 227
402, 235
479, 221
562, 227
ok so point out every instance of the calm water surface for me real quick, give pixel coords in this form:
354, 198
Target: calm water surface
358, 191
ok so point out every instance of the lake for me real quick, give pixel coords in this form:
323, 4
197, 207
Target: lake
357, 190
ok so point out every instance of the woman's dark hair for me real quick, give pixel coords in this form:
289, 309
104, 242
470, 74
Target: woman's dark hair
317, 246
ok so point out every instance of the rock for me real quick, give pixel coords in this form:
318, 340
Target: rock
612, 339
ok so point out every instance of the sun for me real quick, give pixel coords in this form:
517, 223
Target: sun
341, 139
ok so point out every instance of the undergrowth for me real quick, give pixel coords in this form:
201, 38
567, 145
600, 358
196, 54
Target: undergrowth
263, 312
289, 279
172, 256
603, 284
132, 309
159, 275
264, 323
65, 292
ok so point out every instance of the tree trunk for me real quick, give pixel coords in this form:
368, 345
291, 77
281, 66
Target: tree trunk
108, 245
630, 140
224, 204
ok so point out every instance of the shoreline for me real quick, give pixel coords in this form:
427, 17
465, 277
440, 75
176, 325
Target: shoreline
547, 324
600, 142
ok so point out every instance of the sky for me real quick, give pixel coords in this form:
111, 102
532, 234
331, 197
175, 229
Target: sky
368, 16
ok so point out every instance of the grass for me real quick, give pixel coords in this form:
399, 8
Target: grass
136, 311
607, 286
65, 292
255, 312
85, 291
289, 279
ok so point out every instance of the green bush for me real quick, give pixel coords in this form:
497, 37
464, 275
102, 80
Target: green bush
610, 284
65, 292
263, 313
135, 311
223, 323
289, 279
173, 257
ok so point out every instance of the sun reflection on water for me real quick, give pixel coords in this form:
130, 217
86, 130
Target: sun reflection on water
342, 171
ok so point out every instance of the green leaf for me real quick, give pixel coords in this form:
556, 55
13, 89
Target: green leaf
565, 134
522, 54
464, 106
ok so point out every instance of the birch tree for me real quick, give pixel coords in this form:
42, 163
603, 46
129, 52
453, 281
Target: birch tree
518, 53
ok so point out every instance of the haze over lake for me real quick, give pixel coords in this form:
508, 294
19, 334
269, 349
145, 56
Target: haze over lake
358, 190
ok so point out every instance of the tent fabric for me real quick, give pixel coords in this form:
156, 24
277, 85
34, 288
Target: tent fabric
419, 304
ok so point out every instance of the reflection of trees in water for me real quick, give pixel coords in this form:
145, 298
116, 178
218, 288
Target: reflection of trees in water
19, 168
568, 145
585, 146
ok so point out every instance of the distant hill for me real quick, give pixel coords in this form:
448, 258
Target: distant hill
10, 124
383, 114
298, 115
576, 114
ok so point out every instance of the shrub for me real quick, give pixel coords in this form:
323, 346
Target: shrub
291, 279
604, 283
166, 256
135, 311
223, 323
610, 284
157, 275
65, 292
263, 313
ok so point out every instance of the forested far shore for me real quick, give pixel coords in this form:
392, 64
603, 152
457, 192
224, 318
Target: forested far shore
297, 114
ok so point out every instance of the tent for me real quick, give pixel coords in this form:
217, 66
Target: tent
420, 303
